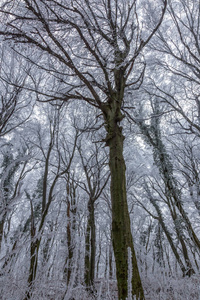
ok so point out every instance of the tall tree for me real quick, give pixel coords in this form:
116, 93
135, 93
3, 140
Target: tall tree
93, 48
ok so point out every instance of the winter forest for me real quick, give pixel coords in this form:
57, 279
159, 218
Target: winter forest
99, 159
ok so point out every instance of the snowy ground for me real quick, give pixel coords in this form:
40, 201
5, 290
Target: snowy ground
156, 288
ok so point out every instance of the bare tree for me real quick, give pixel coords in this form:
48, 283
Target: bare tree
13, 173
171, 192
50, 179
96, 180
94, 48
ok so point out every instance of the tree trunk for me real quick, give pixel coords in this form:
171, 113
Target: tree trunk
90, 246
2, 228
167, 233
121, 229
35, 244
68, 260
71, 229
110, 262
87, 255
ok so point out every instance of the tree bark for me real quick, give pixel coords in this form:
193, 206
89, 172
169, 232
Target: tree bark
90, 246
35, 245
2, 228
121, 229
71, 228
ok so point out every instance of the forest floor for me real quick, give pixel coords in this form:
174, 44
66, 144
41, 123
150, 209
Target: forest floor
156, 287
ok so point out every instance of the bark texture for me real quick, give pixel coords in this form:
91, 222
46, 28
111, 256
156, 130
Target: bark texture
121, 229
90, 246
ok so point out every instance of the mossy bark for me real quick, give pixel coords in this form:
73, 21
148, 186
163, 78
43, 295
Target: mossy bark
172, 192
121, 229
